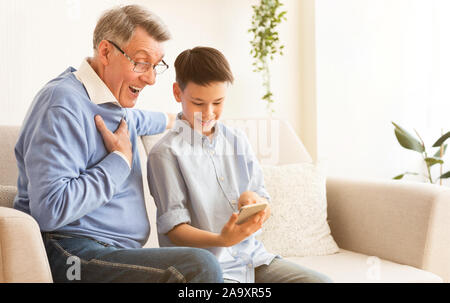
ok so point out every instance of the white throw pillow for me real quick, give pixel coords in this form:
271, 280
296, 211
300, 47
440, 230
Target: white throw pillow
298, 224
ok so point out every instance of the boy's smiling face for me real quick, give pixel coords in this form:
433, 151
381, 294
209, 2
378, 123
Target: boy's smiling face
202, 105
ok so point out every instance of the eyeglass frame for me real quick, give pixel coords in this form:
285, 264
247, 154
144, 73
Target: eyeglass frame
143, 63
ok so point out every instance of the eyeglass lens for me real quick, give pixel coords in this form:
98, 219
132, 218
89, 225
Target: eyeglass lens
142, 68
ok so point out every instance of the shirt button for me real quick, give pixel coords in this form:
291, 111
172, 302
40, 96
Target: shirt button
249, 265
221, 179
211, 152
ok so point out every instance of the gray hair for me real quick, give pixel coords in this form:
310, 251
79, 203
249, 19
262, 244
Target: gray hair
118, 24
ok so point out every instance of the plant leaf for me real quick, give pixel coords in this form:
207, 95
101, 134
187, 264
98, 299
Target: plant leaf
404, 174
445, 176
433, 160
407, 140
438, 153
441, 139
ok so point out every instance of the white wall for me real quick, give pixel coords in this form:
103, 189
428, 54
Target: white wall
380, 61
349, 69
42, 38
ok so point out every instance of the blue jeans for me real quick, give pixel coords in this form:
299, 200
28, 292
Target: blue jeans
80, 259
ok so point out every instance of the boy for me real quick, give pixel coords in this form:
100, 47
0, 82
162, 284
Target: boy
202, 172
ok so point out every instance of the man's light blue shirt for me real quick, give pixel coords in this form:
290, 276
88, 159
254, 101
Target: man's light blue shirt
198, 181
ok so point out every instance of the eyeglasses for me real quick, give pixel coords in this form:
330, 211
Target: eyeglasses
142, 67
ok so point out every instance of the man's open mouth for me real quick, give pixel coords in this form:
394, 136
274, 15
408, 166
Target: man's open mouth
135, 90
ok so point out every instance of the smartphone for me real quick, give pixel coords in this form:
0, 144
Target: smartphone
247, 211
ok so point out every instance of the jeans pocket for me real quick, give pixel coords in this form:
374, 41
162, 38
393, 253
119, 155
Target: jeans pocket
57, 236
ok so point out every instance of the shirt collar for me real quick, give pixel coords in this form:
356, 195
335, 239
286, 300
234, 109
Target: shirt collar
183, 128
97, 90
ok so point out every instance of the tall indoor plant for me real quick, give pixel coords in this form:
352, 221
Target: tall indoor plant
266, 42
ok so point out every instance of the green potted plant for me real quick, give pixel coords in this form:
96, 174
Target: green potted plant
266, 43
410, 142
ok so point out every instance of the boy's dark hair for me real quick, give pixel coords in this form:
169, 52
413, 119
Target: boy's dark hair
202, 66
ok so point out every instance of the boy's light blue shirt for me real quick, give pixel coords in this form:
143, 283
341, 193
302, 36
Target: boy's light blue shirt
197, 181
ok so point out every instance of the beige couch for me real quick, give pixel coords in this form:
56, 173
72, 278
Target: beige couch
387, 231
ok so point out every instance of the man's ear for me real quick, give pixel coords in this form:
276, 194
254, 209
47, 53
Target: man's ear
177, 92
104, 52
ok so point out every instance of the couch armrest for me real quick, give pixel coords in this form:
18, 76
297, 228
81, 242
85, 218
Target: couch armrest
404, 222
22, 253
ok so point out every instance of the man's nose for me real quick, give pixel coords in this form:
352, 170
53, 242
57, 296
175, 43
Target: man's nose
149, 77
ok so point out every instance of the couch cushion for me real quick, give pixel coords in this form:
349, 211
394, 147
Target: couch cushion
8, 166
7, 194
23, 256
350, 267
298, 224
149, 141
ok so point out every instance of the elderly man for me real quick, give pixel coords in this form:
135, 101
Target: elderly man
79, 168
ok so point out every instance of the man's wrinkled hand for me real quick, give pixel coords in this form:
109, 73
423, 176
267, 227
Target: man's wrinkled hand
117, 141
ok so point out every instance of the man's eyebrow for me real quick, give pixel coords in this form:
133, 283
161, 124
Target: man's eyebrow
147, 54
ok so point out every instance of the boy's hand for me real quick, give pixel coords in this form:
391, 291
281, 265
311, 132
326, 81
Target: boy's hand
233, 233
248, 197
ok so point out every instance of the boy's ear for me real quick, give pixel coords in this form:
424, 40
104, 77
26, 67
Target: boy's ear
177, 92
